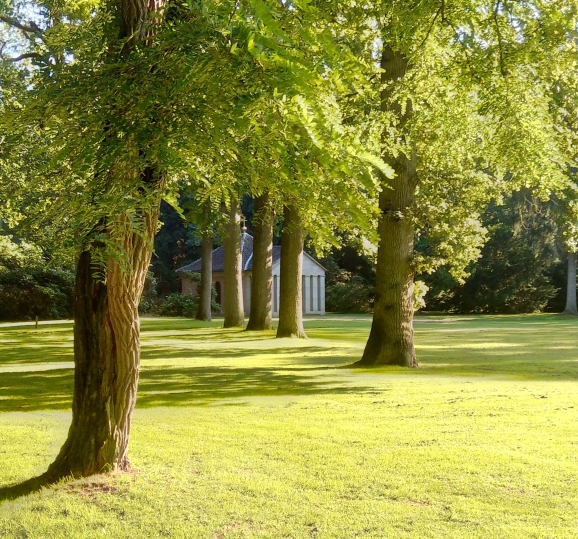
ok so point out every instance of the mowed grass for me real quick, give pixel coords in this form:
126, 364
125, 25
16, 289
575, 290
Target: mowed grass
237, 434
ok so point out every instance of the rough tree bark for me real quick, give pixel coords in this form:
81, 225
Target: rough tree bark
106, 329
206, 286
106, 354
262, 277
290, 293
391, 338
233, 274
571, 307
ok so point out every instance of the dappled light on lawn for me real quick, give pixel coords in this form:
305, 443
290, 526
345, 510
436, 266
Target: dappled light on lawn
238, 434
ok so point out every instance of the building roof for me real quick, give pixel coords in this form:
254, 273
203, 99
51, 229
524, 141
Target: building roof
219, 256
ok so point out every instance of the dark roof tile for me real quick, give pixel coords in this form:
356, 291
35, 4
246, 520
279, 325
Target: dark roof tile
219, 256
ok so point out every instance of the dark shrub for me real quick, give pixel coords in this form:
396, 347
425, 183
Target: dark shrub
149, 297
353, 296
178, 305
29, 292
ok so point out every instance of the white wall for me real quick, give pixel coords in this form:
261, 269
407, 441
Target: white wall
313, 292
312, 289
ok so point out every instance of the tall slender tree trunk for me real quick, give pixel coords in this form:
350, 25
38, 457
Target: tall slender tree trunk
290, 293
106, 329
206, 287
391, 338
260, 317
106, 352
233, 274
571, 307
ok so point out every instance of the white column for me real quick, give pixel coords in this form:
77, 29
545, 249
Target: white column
323, 294
275, 302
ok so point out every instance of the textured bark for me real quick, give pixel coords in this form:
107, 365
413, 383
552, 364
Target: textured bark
391, 338
571, 307
106, 329
290, 293
206, 286
135, 23
233, 276
106, 353
262, 278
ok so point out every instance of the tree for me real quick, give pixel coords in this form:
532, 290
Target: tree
262, 263
455, 97
206, 219
569, 224
206, 284
106, 329
116, 122
233, 271
571, 307
391, 338
565, 111
290, 294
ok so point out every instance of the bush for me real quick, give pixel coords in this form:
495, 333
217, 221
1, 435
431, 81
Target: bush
178, 305
149, 296
29, 292
353, 296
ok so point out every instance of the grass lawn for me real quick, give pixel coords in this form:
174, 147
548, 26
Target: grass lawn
237, 434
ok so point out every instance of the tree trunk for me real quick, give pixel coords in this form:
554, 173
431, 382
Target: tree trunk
106, 353
290, 294
571, 307
106, 329
262, 278
391, 338
206, 286
233, 274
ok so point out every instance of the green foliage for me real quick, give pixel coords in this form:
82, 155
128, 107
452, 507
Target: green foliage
514, 272
29, 292
176, 244
229, 98
178, 305
29, 286
149, 296
352, 296
19, 255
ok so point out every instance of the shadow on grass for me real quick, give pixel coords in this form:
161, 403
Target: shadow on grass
27, 392
206, 363
200, 385
23, 489
273, 354
176, 386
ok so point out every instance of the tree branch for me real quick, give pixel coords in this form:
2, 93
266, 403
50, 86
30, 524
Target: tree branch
30, 28
499, 35
440, 11
24, 56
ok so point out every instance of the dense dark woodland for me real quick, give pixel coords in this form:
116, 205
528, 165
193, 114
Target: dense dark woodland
522, 269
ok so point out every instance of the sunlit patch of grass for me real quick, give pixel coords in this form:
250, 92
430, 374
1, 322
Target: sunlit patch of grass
240, 435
